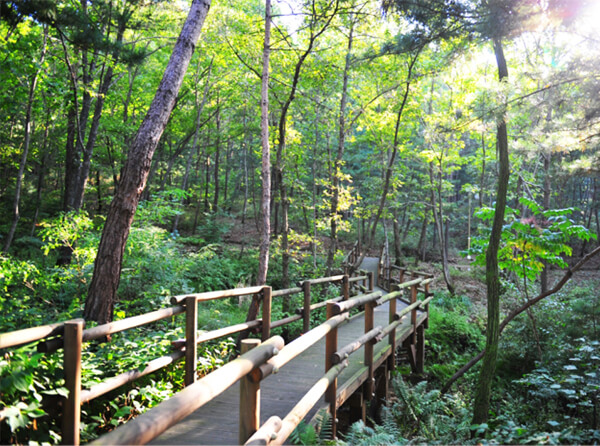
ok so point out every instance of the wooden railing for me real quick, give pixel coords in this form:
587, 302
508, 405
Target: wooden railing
389, 275
261, 360
71, 335
352, 257
276, 430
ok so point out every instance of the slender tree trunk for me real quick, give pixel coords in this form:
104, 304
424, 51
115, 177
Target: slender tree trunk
107, 77
26, 143
217, 159
481, 404
337, 166
41, 172
199, 109
421, 246
482, 177
265, 230
546, 205
101, 298
392, 157
440, 224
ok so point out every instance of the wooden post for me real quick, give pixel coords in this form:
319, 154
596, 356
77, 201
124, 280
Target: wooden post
266, 313
249, 399
346, 287
420, 350
413, 299
427, 294
401, 276
392, 337
369, 324
73, 337
306, 309
191, 348
370, 280
382, 389
358, 408
330, 348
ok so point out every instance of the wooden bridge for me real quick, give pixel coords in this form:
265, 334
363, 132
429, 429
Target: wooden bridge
260, 397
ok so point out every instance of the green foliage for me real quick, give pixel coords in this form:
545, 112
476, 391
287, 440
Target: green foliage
160, 208
529, 242
306, 434
453, 335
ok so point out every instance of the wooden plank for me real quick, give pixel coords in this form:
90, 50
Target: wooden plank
72, 364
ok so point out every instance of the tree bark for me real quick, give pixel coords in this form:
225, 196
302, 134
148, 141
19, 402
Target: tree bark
481, 404
101, 298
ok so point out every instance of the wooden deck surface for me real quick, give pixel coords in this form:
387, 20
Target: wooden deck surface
217, 421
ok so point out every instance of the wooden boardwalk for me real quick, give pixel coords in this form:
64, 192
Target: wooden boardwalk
217, 422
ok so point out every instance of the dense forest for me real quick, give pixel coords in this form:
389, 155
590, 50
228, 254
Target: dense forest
152, 148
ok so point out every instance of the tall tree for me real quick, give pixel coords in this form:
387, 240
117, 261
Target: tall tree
107, 267
27, 124
265, 233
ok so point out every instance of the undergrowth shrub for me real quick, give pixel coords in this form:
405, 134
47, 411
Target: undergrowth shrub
453, 337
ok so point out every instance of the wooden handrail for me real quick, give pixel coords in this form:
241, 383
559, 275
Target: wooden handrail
221, 332
320, 304
27, 335
101, 331
297, 346
287, 292
326, 279
266, 433
151, 424
130, 376
212, 295
297, 414
353, 346
347, 305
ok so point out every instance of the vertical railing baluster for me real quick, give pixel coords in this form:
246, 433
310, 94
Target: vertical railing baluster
392, 337
346, 287
413, 299
331, 341
266, 312
73, 341
369, 325
249, 399
306, 309
191, 348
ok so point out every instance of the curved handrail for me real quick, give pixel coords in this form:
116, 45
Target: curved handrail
151, 424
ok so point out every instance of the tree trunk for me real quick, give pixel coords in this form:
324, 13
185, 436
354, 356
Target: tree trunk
440, 224
26, 143
392, 157
217, 159
481, 404
337, 166
101, 298
265, 230
546, 205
